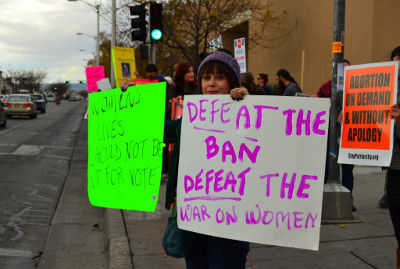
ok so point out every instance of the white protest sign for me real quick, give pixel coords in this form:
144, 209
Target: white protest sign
215, 43
240, 53
253, 170
104, 84
340, 77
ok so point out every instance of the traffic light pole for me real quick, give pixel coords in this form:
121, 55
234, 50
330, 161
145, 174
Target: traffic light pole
337, 203
113, 39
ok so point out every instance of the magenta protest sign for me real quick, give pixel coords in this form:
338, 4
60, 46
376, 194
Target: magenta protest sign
94, 74
253, 170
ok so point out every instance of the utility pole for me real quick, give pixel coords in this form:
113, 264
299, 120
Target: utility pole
113, 38
97, 36
337, 204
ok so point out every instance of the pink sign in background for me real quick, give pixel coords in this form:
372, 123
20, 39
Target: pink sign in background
94, 74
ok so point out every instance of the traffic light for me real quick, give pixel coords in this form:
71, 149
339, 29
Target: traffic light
139, 23
82, 82
55, 88
156, 31
67, 82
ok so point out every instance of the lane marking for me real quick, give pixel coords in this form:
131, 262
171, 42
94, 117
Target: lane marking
3, 132
16, 253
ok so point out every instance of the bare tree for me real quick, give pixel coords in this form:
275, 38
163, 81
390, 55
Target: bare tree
25, 79
189, 24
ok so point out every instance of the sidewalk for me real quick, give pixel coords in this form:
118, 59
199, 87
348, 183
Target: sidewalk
366, 242
75, 239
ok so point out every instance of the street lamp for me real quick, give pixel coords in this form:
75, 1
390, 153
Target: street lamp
97, 47
97, 7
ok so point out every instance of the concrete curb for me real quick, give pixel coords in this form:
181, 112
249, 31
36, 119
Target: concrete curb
116, 240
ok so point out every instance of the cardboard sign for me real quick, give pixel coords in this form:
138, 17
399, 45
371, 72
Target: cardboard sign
253, 170
104, 84
125, 140
94, 74
367, 130
240, 53
215, 43
176, 108
124, 64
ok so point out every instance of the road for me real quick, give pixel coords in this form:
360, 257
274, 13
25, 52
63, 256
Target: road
35, 157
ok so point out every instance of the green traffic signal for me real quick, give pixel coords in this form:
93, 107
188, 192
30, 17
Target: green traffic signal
55, 88
156, 34
68, 82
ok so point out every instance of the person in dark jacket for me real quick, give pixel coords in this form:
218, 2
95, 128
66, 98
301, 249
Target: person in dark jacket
184, 80
325, 90
262, 81
287, 85
393, 172
219, 73
248, 83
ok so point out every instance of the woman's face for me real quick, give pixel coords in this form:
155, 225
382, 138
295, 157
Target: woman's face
214, 83
260, 81
189, 76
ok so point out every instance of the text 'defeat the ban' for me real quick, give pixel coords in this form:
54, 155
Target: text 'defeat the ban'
253, 170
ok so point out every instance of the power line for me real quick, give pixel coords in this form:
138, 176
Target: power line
13, 12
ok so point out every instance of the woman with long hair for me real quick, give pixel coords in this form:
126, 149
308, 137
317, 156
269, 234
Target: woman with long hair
184, 80
262, 81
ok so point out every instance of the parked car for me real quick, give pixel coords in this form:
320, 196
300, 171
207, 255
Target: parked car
74, 98
3, 116
20, 105
51, 97
40, 101
3, 97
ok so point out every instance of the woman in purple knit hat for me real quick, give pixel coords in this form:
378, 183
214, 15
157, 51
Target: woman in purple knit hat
219, 73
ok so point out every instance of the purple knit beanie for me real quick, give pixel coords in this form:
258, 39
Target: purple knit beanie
226, 59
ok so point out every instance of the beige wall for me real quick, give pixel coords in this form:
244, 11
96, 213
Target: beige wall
370, 35
386, 29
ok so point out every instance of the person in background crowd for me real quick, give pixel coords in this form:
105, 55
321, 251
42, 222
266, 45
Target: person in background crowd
287, 85
394, 56
152, 72
248, 83
325, 90
219, 73
184, 80
393, 179
393, 172
262, 81
347, 169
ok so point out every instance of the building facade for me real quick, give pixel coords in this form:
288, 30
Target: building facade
370, 35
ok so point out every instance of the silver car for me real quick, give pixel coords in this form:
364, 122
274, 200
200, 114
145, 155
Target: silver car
20, 105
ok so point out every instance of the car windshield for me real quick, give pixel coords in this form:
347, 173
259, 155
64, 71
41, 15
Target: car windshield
36, 97
18, 98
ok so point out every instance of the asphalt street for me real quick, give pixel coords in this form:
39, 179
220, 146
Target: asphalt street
35, 156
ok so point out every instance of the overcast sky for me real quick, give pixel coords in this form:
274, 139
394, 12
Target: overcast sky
41, 34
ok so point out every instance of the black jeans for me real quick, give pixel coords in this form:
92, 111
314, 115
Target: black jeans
209, 252
393, 195
347, 176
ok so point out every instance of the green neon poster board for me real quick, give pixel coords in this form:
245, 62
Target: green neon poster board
125, 147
